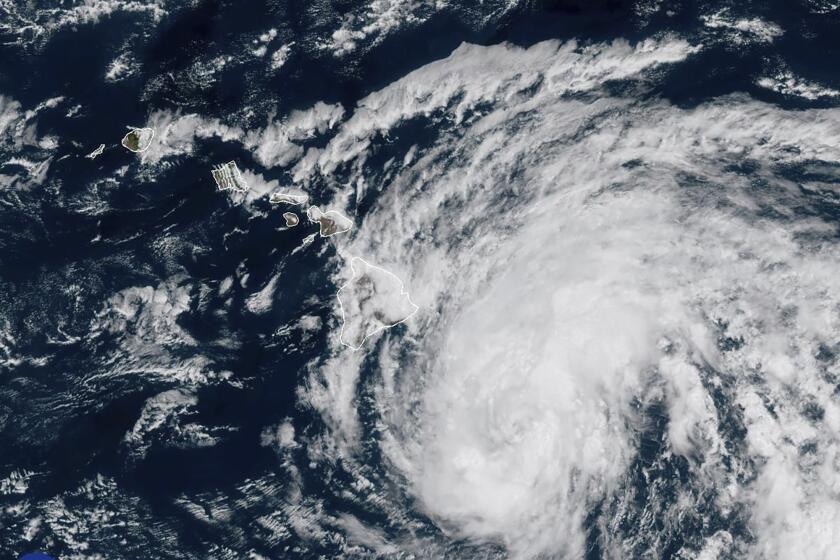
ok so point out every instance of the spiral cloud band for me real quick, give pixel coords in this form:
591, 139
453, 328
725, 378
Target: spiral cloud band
619, 327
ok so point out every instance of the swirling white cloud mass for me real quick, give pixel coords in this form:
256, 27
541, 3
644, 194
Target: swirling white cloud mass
586, 262
572, 317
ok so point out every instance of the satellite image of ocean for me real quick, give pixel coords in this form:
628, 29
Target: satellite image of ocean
419, 279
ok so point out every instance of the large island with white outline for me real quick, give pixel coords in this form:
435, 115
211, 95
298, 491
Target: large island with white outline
372, 301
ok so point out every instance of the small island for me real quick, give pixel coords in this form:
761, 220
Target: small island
331, 221
291, 219
228, 177
138, 140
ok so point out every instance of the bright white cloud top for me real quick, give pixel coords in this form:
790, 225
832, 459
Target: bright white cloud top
581, 260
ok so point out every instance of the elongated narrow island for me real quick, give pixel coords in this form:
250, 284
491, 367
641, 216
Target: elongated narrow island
97, 152
287, 198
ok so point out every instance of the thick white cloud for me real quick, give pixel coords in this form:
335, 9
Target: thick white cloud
574, 257
175, 134
25, 156
787, 83
278, 144
157, 412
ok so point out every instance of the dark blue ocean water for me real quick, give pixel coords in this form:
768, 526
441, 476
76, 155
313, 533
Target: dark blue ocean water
65, 420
